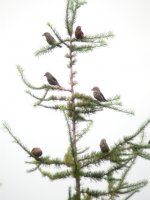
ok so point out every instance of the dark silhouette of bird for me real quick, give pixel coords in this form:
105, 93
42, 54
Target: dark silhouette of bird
104, 146
36, 152
98, 94
50, 39
149, 142
51, 79
78, 33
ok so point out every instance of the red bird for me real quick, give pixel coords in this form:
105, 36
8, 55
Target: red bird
78, 33
36, 152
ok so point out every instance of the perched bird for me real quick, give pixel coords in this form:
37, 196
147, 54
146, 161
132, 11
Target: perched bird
36, 152
50, 39
104, 146
51, 79
78, 33
149, 142
97, 94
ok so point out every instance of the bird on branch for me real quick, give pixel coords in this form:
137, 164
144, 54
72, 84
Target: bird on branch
78, 33
104, 146
36, 152
98, 94
51, 79
50, 39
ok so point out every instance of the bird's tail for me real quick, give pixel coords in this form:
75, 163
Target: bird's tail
59, 45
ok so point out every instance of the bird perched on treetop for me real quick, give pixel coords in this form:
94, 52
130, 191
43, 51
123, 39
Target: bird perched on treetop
98, 94
51, 79
104, 146
50, 39
36, 152
78, 33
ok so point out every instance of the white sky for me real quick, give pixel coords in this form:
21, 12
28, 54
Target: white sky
121, 68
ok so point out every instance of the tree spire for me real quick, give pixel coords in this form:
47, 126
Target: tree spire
82, 163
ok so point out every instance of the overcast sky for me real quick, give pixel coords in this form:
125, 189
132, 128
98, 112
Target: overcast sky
123, 67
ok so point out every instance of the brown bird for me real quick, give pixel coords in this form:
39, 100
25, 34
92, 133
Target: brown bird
98, 94
36, 152
51, 79
78, 33
104, 146
50, 39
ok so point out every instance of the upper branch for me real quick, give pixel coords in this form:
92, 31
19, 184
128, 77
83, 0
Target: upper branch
57, 35
41, 87
71, 11
7, 128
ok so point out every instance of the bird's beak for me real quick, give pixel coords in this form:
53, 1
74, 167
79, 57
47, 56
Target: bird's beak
44, 74
43, 35
92, 89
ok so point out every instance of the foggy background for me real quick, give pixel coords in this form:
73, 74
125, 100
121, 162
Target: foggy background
123, 67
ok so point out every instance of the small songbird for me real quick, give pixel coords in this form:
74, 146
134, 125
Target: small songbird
36, 152
104, 146
50, 39
149, 142
98, 94
78, 33
51, 79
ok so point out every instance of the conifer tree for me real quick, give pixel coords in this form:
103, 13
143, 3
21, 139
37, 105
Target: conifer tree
78, 108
